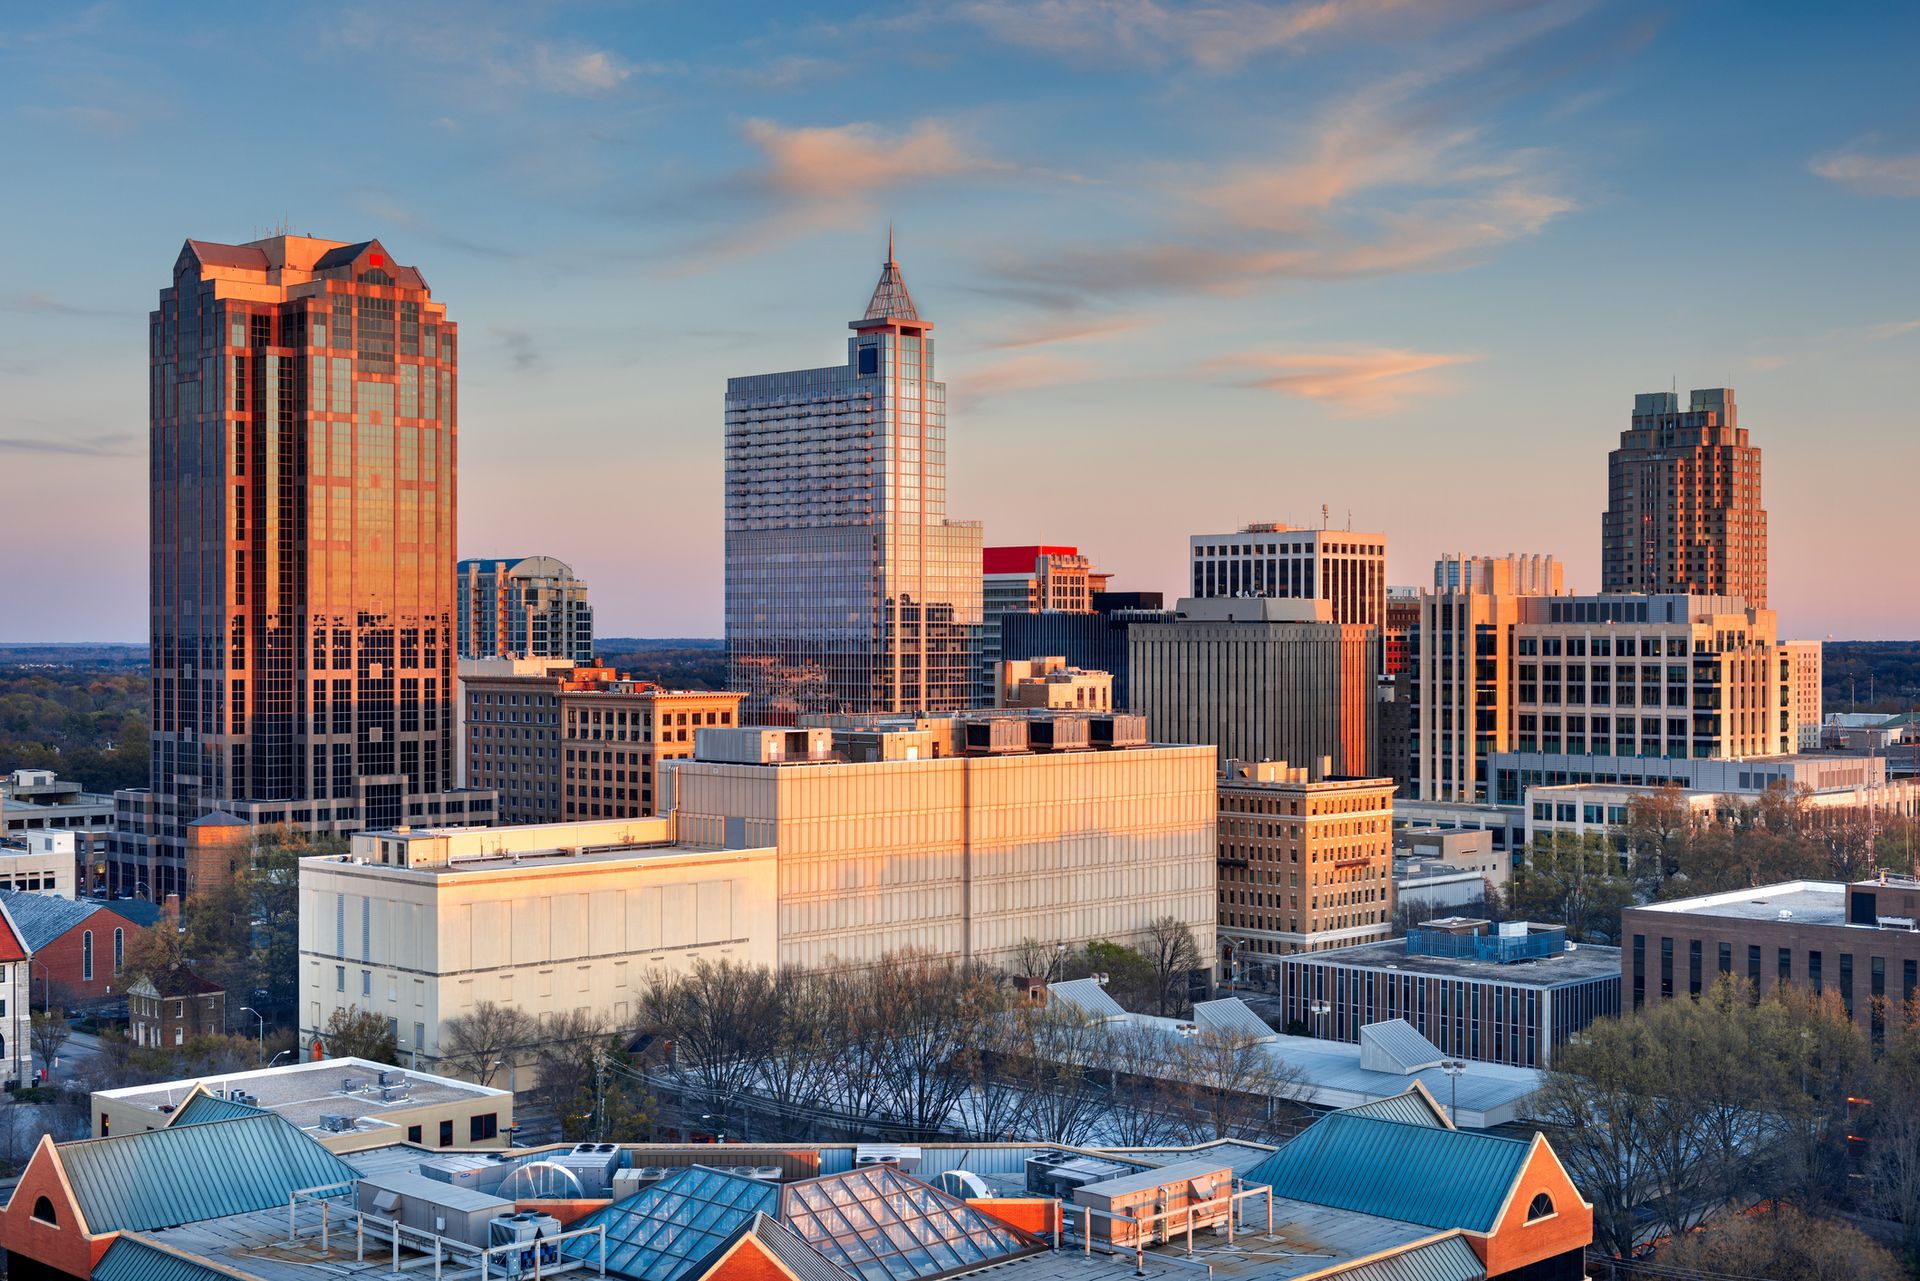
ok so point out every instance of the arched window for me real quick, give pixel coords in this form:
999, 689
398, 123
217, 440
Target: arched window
43, 1211
1540, 1207
86, 956
119, 948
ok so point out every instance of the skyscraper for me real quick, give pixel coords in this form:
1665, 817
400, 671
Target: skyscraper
1284, 561
848, 590
523, 607
302, 433
1683, 502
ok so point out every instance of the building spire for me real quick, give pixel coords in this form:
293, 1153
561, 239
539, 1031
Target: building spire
890, 300
890, 261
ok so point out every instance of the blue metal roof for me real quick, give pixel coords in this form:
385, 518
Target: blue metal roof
1411, 1108
659, 1234
183, 1174
1448, 1259
42, 918
134, 1258
1414, 1173
203, 1107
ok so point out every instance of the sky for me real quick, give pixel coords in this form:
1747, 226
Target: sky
1189, 266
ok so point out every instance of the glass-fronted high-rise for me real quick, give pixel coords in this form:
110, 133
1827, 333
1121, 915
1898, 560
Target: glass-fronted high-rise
848, 590
302, 433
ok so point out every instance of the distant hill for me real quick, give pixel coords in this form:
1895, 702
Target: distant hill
638, 644
1870, 676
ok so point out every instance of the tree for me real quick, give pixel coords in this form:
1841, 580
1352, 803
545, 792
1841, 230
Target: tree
1574, 880
1130, 975
1893, 1148
1151, 1101
157, 950
477, 1044
49, 1032
1659, 827
720, 1018
1238, 1087
1787, 1244
1171, 950
359, 1034
926, 1010
567, 1059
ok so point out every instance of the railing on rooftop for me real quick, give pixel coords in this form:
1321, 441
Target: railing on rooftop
1501, 949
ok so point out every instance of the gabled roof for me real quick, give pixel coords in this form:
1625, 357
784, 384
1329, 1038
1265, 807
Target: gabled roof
13, 945
1415, 1173
793, 1254
883, 1225
662, 1232
1088, 997
41, 918
1447, 1258
342, 255
1414, 1106
173, 981
136, 1258
183, 1174
214, 254
201, 1107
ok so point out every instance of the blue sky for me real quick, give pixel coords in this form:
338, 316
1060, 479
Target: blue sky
1189, 266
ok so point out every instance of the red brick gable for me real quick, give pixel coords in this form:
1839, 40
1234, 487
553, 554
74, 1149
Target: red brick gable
12, 948
1516, 1240
64, 1244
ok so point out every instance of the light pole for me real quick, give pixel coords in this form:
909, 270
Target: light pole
1319, 1010
1453, 1068
275, 1060
248, 1009
46, 989
1059, 962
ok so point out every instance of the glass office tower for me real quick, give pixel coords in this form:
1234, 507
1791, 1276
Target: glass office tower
848, 590
302, 435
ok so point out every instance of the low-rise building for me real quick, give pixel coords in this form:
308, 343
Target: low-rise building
1505, 825
16, 1003
569, 743
420, 926
1858, 940
34, 801
1095, 642
39, 863
1051, 685
1435, 870
343, 1104
1507, 993
79, 947
1305, 861
172, 1007
970, 837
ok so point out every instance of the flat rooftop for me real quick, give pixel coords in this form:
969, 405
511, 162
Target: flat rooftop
531, 860
1810, 902
305, 1092
1586, 961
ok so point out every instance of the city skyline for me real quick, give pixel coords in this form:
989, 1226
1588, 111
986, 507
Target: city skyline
1418, 281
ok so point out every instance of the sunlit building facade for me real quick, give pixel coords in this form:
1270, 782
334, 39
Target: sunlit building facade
1346, 569
847, 589
302, 507
523, 607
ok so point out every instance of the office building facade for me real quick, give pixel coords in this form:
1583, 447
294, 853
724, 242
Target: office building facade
1306, 861
1093, 642
1029, 580
523, 607
1260, 679
1683, 502
579, 742
1522, 573
303, 438
847, 589
971, 837
1344, 568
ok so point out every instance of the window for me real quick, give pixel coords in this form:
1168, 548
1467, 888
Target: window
43, 1211
339, 978
119, 948
1540, 1207
446, 1134
86, 956
482, 1128
413, 1134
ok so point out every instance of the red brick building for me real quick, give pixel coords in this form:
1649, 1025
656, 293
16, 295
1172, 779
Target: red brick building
171, 1009
79, 948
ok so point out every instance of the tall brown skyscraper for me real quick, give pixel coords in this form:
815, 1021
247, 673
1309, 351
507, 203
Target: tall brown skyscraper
1683, 502
302, 433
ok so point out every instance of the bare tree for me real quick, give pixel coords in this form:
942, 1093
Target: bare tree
995, 1106
722, 1020
797, 1072
1240, 1088
567, 1056
927, 1010
477, 1044
49, 1032
1151, 1102
1059, 1070
1171, 950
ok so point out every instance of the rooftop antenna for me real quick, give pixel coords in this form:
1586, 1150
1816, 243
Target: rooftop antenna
1323, 515
890, 261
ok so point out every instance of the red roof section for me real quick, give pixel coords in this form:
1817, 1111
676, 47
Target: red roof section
1018, 560
12, 946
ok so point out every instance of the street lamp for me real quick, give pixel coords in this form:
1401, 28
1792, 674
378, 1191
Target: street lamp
46, 991
275, 1060
1059, 961
248, 1009
1453, 1068
1319, 1010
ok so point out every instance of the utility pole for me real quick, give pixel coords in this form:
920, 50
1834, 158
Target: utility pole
599, 1096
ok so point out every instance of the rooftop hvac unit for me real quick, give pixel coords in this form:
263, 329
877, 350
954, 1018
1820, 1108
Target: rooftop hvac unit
766, 1173
962, 1184
477, 1173
335, 1123
389, 1077
903, 1157
392, 1093
1059, 1174
628, 1183
247, 1097
593, 1164
349, 1084
531, 1230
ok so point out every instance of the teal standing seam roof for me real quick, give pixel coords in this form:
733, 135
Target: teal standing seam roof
1414, 1173
203, 1107
184, 1174
1410, 1108
133, 1258
1448, 1259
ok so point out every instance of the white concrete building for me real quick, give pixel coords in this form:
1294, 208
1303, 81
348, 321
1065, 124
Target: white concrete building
39, 863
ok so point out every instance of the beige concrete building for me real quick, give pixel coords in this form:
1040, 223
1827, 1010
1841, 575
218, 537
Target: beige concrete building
570, 743
38, 863
1435, 869
34, 801
1260, 679
346, 1104
962, 836
1048, 684
419, 926
1346, 569
1306, 861
1805, 672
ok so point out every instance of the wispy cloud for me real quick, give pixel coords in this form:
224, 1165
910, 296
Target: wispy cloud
579, 71
1871, 174
1222, 35
1890, 329
1353, 382
111, 446
1072, 332
499, 44
1022, 372
385, 209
